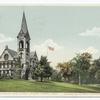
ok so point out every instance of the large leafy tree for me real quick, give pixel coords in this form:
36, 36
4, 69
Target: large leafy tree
43, 70
94, 71
97, 76
65, 70
82, 63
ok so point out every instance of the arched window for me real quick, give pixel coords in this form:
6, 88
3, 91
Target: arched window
27, 46
6, 56
21, 44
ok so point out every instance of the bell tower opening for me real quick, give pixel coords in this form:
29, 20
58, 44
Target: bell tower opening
21, 44
27, 46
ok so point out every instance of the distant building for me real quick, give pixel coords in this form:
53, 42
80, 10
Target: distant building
23, 59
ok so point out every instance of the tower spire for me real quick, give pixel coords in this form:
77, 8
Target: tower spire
24, 28
24, 24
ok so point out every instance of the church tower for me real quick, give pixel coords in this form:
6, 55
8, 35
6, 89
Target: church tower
23, 43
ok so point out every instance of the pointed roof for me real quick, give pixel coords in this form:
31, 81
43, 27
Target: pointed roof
24, 24
11, 52
33, 54
24, 28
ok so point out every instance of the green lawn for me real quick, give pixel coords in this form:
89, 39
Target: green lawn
30, 86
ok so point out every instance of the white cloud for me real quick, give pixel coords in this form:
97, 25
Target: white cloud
90, 49
4, 41
4, 38
43, 47
95, 31
53, 56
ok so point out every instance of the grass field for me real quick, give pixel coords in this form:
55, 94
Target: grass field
30, 86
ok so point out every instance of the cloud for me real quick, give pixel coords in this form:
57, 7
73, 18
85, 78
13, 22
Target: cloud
3, 41
95, 31
90, 49
53, 56
4, 38
42, 48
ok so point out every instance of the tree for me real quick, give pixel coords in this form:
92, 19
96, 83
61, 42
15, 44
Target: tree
27, 73
56, 76
94, 71
43, 70
39, 72
47, 70
81, 64
97, 76
65, 70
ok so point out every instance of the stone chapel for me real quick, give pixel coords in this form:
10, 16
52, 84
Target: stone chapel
22, 59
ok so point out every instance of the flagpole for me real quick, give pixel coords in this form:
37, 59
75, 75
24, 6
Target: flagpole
49, 48
47, 51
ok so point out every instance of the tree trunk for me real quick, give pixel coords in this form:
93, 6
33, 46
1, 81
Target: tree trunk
41, 78
79, 79
68, 78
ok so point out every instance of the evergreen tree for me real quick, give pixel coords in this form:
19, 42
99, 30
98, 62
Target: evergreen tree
43, 70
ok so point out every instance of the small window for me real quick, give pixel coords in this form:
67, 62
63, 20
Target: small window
6, 56
4, 72
3, 65
7, 71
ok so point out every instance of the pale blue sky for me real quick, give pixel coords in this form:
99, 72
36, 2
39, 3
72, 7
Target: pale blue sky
62, 25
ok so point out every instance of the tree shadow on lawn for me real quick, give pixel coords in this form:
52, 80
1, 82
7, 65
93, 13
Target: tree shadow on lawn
63, 87
95, 87
76, 88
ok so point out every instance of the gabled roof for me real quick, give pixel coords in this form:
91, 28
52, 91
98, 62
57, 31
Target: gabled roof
24, 29
33, 54
11, 52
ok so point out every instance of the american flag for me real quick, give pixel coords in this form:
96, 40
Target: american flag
50, 48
